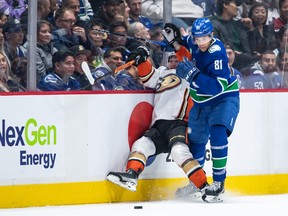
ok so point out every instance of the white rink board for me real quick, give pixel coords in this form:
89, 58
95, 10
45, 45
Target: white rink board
92, 137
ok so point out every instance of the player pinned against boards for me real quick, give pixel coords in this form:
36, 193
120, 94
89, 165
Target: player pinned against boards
167, 133
216, 99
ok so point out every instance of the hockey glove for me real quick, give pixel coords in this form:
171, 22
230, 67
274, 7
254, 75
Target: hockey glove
139, 55
187, 70
172, 33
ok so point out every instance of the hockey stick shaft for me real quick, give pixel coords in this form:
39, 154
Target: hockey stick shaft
87, 71
132, 38
126, 65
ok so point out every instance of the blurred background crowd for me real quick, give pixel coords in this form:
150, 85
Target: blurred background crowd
104, 32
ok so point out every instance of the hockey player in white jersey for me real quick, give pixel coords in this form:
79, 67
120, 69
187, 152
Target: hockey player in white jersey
167, 132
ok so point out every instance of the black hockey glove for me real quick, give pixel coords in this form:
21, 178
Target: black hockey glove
187, 70
139, 55
172, 33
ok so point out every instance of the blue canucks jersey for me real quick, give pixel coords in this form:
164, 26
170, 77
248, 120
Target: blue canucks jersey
53, 82
215, 80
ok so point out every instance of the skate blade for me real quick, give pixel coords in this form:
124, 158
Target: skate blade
195, 195
212, 199
127, 185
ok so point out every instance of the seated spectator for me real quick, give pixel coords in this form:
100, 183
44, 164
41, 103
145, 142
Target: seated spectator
261, 36
140, 35
282, 61
81, 55
60, 79
3, 18
14, 37
43, 9
264, 73
282, 40
7, 84
233, 32
234, 72
128, 79
135, 14
81, 8
117, 36
282, 20
44, 51
208, 6
104, 74
66, 34
109, 11
97, 39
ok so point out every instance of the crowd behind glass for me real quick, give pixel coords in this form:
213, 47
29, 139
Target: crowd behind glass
104, 32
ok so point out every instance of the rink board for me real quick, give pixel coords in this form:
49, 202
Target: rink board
57, 148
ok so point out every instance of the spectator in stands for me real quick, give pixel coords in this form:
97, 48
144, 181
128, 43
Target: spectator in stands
66, 34
208, 6
44, 50
264, 73
233, 32
282, 40
141, 34
283, 15
81, 8
184, 12
135, 13
2, 43
261, 36
117, 29
60, 79
54, 5
234, 72
128, 80
282, 62
109, 11
14, 36
43, 9
104, 75
13, 8
97, 39
7, 84
3, 18
81, 55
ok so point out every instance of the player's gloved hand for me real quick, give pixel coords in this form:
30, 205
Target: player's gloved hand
187, 70
172, 33
139, 55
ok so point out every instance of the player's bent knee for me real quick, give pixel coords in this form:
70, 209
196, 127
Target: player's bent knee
145, 146
180, 153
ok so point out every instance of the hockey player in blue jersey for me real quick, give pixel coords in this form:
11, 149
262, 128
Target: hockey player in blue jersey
216, 100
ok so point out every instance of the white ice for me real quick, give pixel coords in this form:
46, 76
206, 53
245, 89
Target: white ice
232, 206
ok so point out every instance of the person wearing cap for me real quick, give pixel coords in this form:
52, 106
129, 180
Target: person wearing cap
216, 100
233, 31
108, 12
14, 37
60, 79
81, 55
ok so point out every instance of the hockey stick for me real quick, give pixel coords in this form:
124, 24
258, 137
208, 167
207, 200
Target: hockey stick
132, 38
86, 69
122, 67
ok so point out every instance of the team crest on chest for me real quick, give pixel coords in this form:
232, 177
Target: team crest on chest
214, 48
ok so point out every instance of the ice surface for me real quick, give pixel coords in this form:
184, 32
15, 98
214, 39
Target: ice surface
232, 206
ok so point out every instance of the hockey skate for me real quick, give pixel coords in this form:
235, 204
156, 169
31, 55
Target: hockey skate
214, 192
189, 191
127, 180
